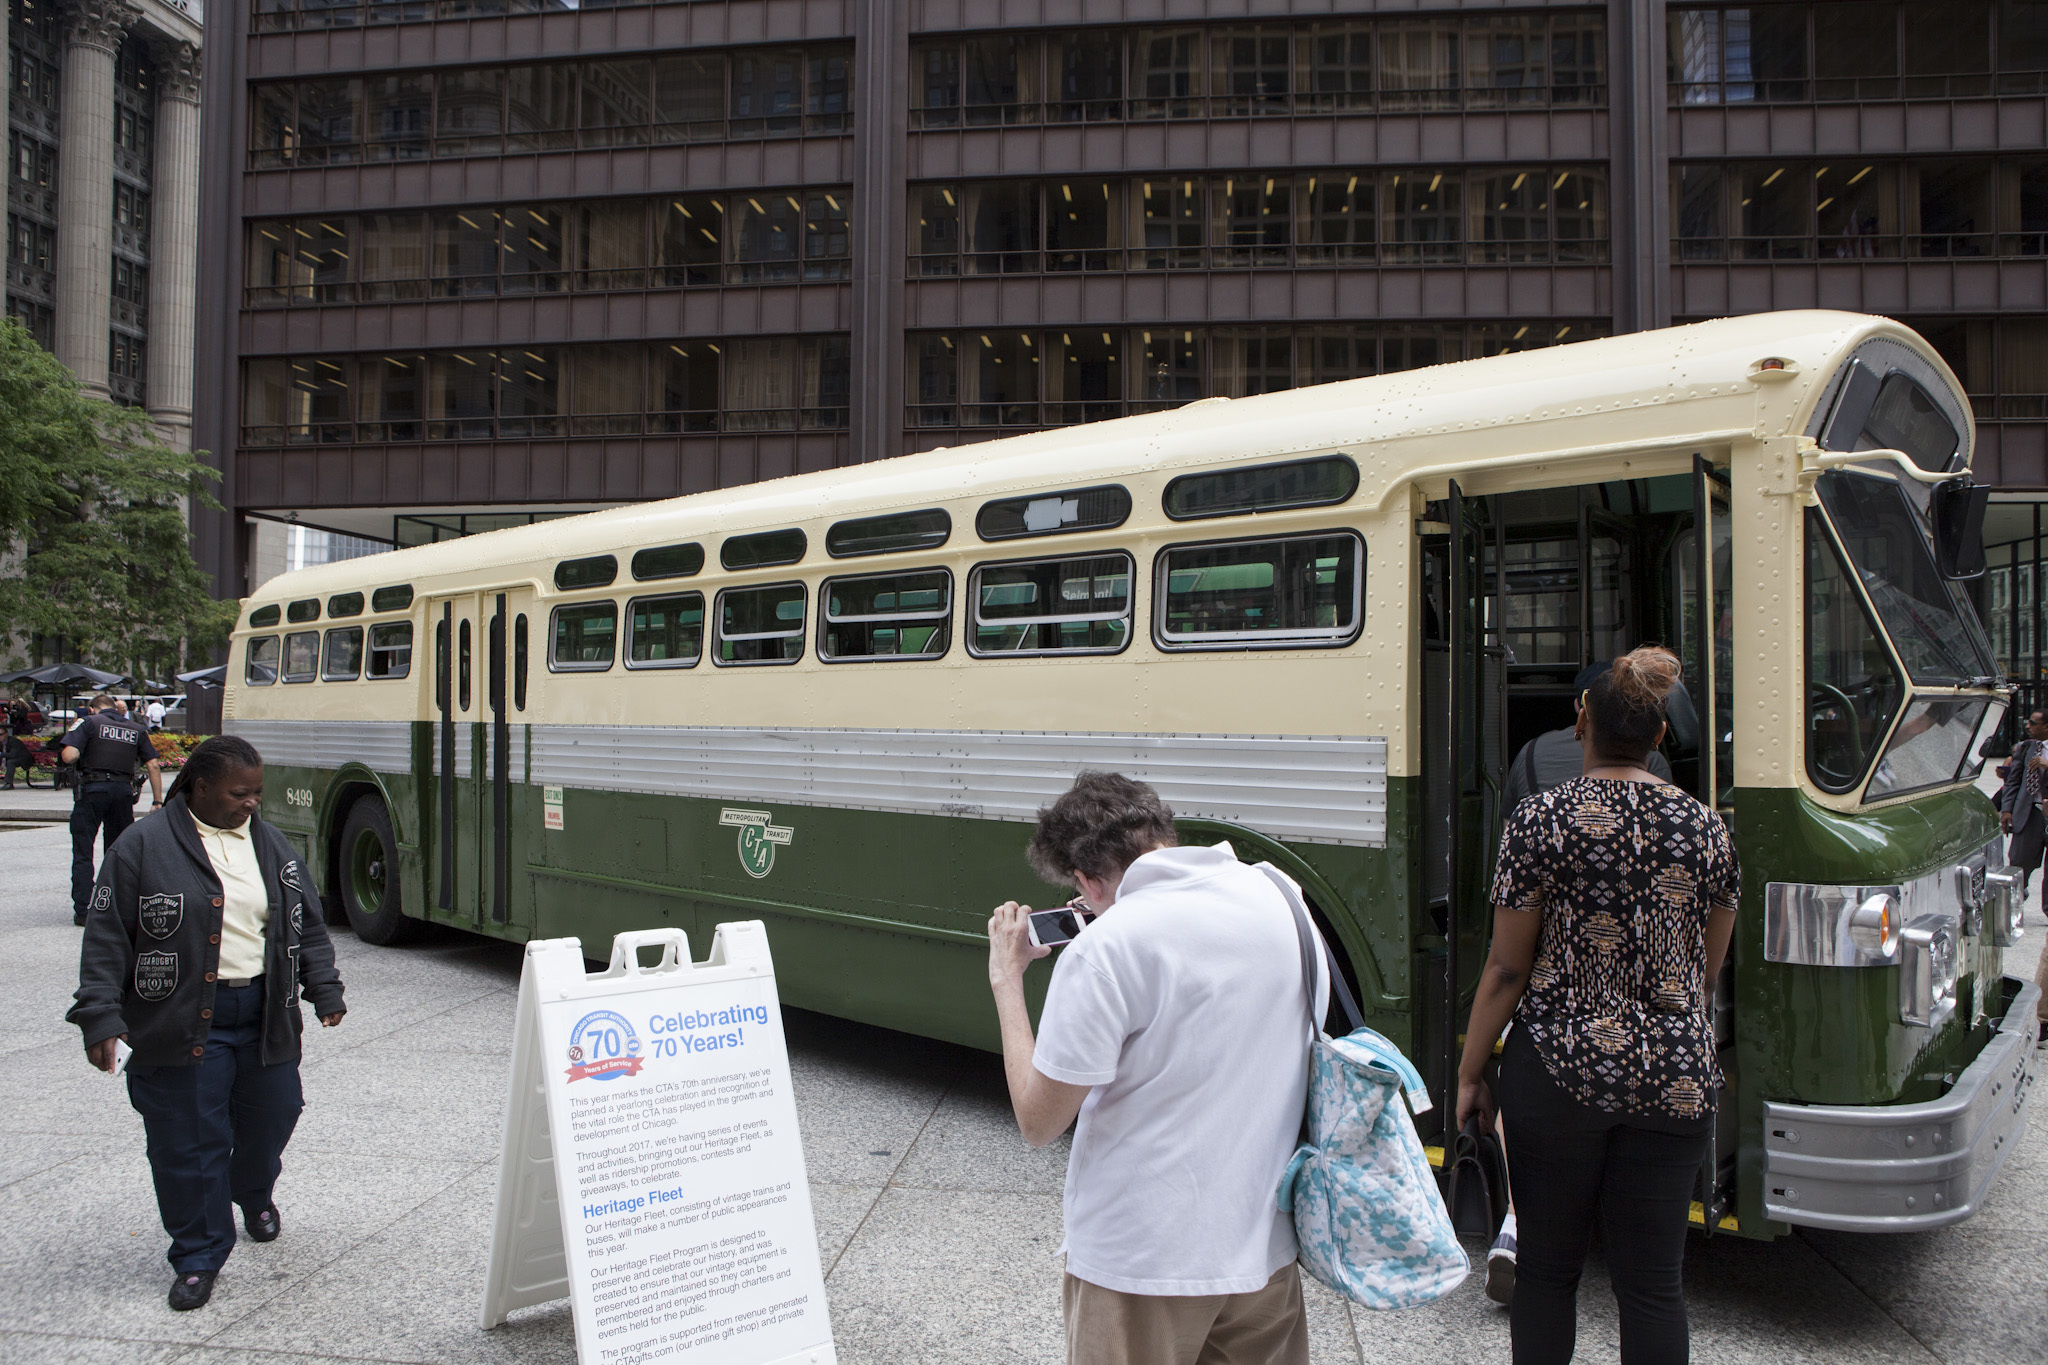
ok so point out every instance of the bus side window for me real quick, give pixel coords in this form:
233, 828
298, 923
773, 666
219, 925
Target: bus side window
343, 661
761, 625
1247, 594
462, 667
1051, 606
519, 662
886, 616
390, 650
259, 665
586, 636
668, 632
302, 656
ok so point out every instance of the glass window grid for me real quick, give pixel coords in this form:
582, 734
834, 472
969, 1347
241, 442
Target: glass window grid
1071, 375
757, 644
665, 619
889, 615
583, 246
655, 388
552, 106
341, 657
1527, 213
1392, 65
1853, 207
1187, 559
1109, 575
574, 644
1834, 51
390, 654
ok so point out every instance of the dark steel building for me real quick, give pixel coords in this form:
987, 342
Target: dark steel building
471, 261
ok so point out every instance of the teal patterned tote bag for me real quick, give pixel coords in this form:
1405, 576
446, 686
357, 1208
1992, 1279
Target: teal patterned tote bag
1367, 1213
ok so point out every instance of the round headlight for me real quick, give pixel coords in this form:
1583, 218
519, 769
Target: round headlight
1874, 925
2015, 918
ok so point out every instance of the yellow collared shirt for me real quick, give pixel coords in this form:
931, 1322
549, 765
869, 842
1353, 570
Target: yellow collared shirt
246, 912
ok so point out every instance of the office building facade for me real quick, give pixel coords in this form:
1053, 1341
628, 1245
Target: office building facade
102, 114
478, 261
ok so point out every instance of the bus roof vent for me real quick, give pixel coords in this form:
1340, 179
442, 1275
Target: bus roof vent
762, 549
1262, 488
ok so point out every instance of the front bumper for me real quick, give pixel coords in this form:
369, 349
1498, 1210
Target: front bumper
1905, 1167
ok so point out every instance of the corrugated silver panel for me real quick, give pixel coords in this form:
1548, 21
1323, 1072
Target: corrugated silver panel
464, 738
1316, 790
382, 746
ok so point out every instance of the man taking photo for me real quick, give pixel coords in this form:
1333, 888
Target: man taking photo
1176, 1029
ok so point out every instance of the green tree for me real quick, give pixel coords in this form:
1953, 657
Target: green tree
94, 544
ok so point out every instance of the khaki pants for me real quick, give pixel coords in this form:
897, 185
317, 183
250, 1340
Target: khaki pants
1264, 1327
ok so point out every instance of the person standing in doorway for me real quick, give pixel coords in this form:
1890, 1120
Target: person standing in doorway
2019, 801
205, 932
1614, 903
1175, 1029
107, 749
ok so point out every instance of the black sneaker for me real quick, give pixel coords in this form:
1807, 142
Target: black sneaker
191, 1290
263, 1224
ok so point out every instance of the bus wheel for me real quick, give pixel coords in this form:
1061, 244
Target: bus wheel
369, 876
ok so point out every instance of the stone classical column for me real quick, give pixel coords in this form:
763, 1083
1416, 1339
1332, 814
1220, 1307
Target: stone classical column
174, 242
85, 188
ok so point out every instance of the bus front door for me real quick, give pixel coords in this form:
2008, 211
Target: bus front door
1464, 719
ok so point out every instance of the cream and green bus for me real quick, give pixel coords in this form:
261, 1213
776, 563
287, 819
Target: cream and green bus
1321, 623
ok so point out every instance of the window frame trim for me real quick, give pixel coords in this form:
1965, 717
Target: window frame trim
284, 652
1845, 564
719, 636
554, 615
362, 656
971, 617
658, 664
825, 618
370, 649
1165, 644
249, 644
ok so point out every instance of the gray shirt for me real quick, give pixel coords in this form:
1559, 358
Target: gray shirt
1553, 758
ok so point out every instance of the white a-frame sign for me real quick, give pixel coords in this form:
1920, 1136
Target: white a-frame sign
653, 1106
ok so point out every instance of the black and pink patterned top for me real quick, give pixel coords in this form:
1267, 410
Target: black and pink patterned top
1625, 875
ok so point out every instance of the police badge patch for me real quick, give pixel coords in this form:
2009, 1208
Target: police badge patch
289, 875
299, 918
161, 914
156, 974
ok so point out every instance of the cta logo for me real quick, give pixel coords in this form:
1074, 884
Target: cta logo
603, 1047
758, 838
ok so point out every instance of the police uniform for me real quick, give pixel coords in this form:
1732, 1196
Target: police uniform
110, 749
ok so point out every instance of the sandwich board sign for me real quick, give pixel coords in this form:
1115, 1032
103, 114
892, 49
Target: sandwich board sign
652, 1172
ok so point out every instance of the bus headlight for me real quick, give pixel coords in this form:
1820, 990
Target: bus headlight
1930, 966
1832, 926
2003, 922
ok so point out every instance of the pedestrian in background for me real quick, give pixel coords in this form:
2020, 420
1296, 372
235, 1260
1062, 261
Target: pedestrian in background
205, 930
1614, 901
154, 714
13, 753
1173, 1029
107, 747
2019, 801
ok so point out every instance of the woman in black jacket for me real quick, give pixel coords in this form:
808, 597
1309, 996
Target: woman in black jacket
202, 932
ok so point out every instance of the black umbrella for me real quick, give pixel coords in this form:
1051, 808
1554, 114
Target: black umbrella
216, 676
65, 675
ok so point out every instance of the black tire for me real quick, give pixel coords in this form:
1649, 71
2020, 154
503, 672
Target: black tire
368, 875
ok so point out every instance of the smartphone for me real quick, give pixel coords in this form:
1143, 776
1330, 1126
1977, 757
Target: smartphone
1053, 928
122, 1052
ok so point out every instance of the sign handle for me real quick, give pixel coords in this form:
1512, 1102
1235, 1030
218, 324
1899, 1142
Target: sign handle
674, 945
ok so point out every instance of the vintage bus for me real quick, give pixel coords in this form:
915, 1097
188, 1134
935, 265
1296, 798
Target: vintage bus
1321, 622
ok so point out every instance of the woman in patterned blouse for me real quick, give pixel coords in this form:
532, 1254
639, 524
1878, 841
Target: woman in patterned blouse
1614, 901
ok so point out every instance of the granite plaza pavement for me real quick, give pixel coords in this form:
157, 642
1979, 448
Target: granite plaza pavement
936, 1224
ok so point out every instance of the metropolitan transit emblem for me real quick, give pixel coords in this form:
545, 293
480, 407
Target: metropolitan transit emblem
758, 838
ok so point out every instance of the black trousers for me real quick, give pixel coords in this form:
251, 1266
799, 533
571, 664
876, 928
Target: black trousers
102, 809
1574, 1164
216, 1130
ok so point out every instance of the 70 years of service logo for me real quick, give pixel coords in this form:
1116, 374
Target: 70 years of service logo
758, 838
603, 1047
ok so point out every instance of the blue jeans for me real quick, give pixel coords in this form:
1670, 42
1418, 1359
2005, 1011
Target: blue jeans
216, 1130
103, 809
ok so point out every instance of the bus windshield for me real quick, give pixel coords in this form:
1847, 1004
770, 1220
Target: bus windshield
1935, 630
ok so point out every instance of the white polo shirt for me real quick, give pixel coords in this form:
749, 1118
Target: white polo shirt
1183, 1007
245, 912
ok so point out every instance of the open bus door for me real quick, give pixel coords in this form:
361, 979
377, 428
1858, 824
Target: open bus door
1464, 731
472, 759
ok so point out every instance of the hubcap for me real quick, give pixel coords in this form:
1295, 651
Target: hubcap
366, 872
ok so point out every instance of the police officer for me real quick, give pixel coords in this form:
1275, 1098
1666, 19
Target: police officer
107, 747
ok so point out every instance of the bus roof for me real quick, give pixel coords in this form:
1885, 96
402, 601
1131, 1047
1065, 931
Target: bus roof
1644, 388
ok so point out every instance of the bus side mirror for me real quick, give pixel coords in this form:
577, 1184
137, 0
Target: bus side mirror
1958, 516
